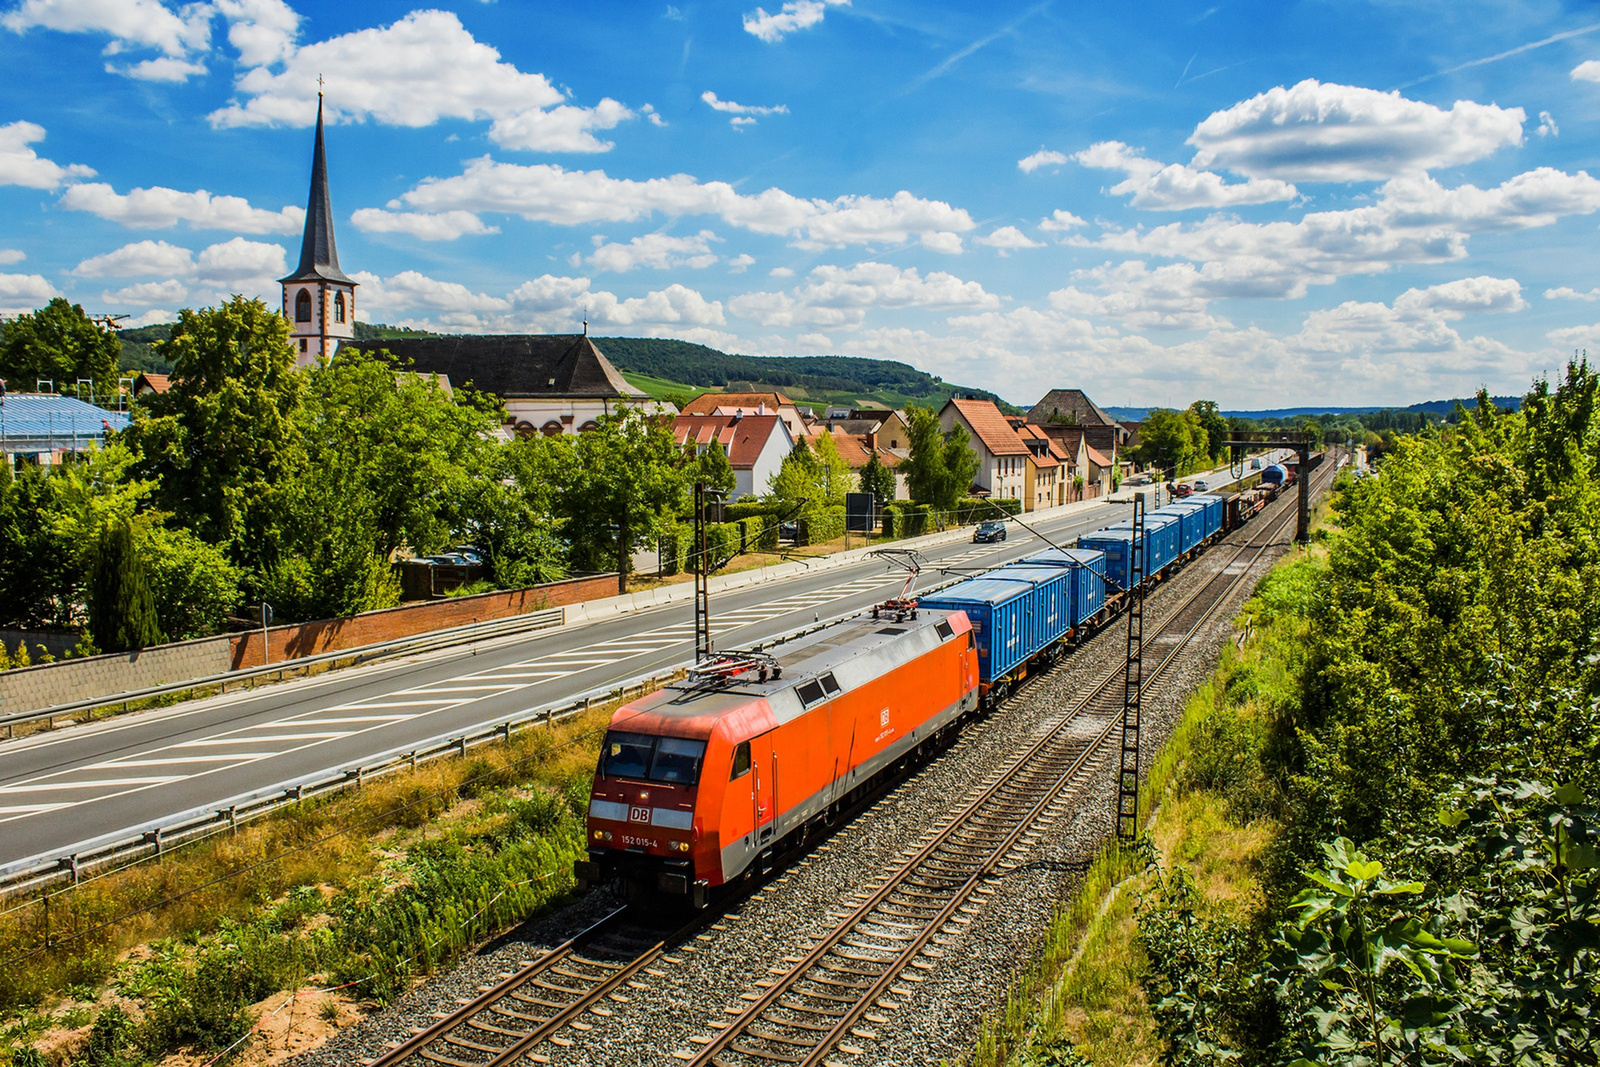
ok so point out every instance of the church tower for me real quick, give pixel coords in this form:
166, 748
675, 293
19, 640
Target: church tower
318, 299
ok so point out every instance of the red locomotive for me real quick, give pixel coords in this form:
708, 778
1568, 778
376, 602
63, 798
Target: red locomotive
701, 781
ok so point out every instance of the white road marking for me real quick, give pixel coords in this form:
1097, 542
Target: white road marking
441, 704
29, 809
320, 721
89, 783
257, 740
231, 757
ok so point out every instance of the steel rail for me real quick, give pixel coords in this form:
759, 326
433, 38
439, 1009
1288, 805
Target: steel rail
818, 1040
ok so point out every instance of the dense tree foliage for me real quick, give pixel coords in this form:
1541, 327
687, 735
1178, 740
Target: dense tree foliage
1171, 441
941, 466
1430, 772
59, 343
712, 468
121, 607
878, 480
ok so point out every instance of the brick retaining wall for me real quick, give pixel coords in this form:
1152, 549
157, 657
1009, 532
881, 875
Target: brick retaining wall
407, 620
72, 680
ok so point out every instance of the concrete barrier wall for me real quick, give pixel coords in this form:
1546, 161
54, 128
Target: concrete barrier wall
408, 620
80, 679
67, 681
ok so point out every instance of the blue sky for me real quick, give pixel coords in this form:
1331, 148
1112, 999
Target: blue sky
1265, 204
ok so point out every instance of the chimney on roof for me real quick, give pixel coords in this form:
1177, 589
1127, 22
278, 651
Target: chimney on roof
872, 440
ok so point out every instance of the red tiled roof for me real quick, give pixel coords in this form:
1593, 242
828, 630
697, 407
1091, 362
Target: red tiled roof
990, 426
853, 448
159, 383
742, 438
1098, 458
706, 403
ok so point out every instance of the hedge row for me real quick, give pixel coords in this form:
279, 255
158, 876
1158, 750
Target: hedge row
906, 520
749, 509
675, 549
818, 525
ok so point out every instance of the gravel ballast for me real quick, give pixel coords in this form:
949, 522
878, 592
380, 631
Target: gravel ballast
708, 978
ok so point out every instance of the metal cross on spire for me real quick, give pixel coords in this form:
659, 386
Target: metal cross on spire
319, 85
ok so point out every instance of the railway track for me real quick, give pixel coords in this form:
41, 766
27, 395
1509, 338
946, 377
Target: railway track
829, 994
875, 953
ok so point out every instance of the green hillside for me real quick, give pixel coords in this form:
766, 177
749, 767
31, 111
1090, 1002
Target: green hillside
669, 369
680, 370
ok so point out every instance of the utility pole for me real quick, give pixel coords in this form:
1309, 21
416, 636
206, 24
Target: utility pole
1132, 683
702, 576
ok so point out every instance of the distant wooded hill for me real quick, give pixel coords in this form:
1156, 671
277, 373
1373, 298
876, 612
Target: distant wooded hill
678, 370
1431, 407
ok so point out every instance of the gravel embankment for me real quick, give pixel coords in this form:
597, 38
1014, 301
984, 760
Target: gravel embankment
941, 1015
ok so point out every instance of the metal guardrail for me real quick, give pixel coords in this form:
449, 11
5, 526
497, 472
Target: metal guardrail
546, 619
147, 842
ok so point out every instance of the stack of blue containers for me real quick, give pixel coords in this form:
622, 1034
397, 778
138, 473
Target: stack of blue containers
1087, 568
1162, 541
1015, 612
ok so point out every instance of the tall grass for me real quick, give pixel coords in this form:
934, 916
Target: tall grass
366, 889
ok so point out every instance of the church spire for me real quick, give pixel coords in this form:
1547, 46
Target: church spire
319, 257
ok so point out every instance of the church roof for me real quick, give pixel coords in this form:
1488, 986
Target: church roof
1068, 404
511, 365
319, 258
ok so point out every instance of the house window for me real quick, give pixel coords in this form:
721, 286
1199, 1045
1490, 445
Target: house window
551, 429
338, 308
302, 344
302, 306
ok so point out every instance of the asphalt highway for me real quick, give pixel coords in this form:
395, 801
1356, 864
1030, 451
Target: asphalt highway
63, 791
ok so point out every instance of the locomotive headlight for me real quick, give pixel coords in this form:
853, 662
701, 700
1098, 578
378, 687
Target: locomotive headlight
598, 834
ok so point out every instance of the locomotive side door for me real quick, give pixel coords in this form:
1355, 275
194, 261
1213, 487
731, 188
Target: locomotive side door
764, 789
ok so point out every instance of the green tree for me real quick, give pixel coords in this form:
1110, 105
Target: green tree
121, 608
878, 480
37, 578
625, 484
60, 343
713, 468
221, 441
1213, 425
385, 460
834, 476
194, 585
1167, 440
798, 478
941, 466
511, 517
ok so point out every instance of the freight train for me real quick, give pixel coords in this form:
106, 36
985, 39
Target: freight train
702, 782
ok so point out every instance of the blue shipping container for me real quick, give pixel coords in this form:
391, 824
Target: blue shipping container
1163, 538
1214, 511
1052, 598
1001, 620
1113, 547
1088, 570
1191, 521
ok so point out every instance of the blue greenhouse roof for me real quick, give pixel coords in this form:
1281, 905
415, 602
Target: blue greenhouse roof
38, 422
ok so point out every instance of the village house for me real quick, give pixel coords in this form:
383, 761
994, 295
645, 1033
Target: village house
549, 383
1048, 478
756, 445
751, 404
856, 448
1002, 457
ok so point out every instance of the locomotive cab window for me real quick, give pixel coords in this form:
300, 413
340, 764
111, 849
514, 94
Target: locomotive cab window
809, 693
830, 684
944, 630
741, 761
670, 760
627, 755
677, 761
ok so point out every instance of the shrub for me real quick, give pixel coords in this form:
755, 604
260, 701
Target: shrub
819, 525
764, 537
915, 520
893, 522
722, 541
748, 509
675, 547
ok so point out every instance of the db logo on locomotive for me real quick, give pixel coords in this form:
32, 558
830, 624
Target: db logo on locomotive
638, 814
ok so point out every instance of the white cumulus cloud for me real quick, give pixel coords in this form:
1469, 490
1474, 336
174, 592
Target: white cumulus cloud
1326, 132
833, 297
1045, 157
1061, 222
657, 250
21, 165
423, 68
160, 208
129, 23
1587, 71
148, 294
795, 15
24, 292
9, 256
138, 260
549, 193
428, 226
1564, 293
1008, 239
1175, 187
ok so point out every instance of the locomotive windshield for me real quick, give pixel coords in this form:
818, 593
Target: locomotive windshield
672, 760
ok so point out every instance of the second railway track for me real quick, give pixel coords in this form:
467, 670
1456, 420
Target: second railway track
822, 1001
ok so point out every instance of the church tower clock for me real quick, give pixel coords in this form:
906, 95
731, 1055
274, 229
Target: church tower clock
318, 299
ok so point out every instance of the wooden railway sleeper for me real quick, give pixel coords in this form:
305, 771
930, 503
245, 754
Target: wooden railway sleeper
765, 1035
438, 1057
792, 1006
454, 1038
764, 1055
